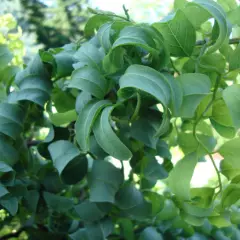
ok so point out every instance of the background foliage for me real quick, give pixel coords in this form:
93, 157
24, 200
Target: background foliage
86, 129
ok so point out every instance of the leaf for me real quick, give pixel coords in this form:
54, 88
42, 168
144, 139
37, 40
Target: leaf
154, 171
126, 227
8, 74
66, 157
135, 36
114, 60
233, 16
218, 13
185, 167
107, 139
5, 56
7, 174
82, 99
63, 118
89, 211
104, 181
104, 36
176, 94
64, 62
75, 171
179, 4
202, 196
234, 59
230, 152
89, 55
163, 149
231, 97
128, 197
169, 211
35, 68
32, 88
90, 80
145, 79
179, 34
8, 154
10, 204
63, 100
32, 199
214, 62
150, 233
3, 191
87, 117
94, 23
230, 195
57, 203
11, 119
144, 131
80, 234
195, 87
144, 37
100, 230
196, 210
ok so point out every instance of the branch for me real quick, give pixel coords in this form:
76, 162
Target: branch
31, 143
231, 41
126, 12
197, 139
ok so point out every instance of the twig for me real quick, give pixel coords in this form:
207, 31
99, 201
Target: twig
231, 41
196, 137
136, 112
173, 66
126, 12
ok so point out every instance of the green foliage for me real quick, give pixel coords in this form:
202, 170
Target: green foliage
88, 130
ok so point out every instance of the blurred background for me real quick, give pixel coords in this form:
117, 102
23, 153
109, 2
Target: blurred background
53, 23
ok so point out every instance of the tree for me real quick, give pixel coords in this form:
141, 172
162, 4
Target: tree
114, 104
55, 24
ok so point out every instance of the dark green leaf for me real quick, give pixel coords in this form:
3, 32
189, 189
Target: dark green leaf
147, 80
150, 233
217, 12
100, 230
107, 138
67, 159
89, 55
89, 211
57, 203
11, 119
128, 197
10, 204
90, 80
32, 88
104, 181
87, 117
179, 34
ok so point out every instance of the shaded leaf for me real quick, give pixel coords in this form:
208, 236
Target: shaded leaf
107, 139
104, 181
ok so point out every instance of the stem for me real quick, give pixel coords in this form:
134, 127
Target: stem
173, 66
195, 134
203, 49
231, 41
126, 12
136, 112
